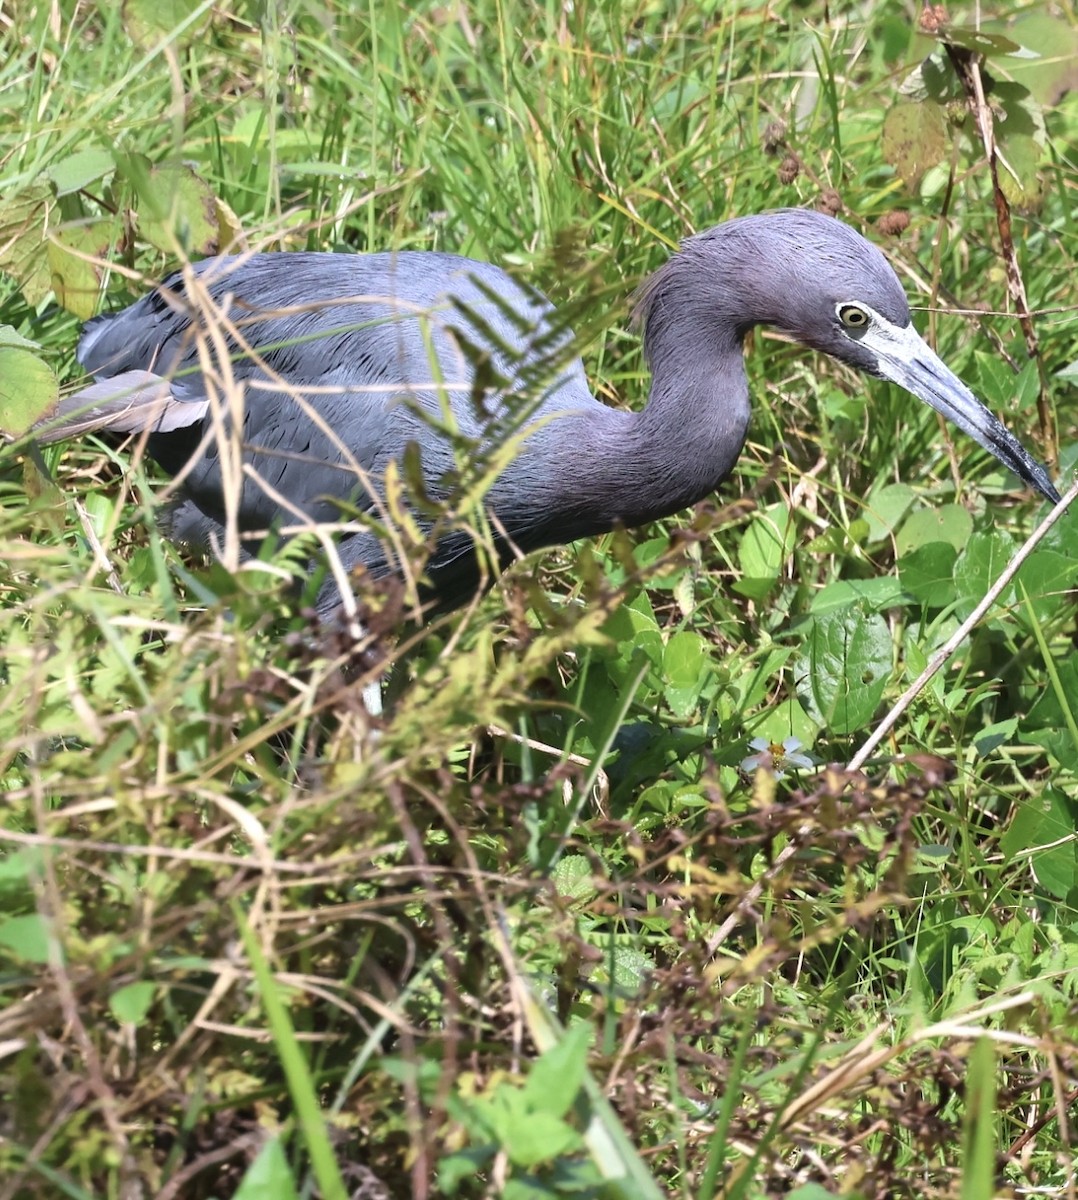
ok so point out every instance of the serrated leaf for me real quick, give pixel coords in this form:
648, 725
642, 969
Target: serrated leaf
629, 969
914, 139
28, 389
572, 877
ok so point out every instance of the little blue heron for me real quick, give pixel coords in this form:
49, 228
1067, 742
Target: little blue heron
347, 360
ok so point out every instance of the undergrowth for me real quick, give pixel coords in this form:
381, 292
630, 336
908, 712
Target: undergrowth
561, 922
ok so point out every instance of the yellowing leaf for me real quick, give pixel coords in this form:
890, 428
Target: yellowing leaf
24, 219
149, 22
178, 207
914, 139
28, 389
76, 278
230, 235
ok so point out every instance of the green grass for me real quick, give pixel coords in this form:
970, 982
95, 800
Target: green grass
247, 949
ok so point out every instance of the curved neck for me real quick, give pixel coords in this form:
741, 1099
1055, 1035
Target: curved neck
623, 468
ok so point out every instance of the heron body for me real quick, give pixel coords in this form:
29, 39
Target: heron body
350, 362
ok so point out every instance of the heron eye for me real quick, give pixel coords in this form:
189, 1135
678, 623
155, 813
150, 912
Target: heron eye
853, 317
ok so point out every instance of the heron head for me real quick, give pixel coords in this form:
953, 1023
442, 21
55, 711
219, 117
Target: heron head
821, 282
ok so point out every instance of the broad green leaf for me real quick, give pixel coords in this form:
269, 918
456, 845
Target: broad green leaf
948, 523
629, 969
885, 508
684, 658
1047, 577
685, 665
787, 719
529, 1187
11, 337
632, 628
927, 574
979, 42
19, 866
762, 551
131, 1003
538, 1137
1021, 139
557, 1074
991, 737
268, 1176
844, 669
77, 171
873, 595
979, 566
932, 79
25, 938
28, 389
914, 139
1047, 724
454, 1169
1054, 37
1043, 826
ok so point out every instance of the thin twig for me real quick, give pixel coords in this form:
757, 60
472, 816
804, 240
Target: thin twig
794, 845
963, 631
967, 67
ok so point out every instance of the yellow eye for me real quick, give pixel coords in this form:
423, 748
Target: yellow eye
852, 316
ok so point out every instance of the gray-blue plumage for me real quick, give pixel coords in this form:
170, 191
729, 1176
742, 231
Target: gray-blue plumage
347, 360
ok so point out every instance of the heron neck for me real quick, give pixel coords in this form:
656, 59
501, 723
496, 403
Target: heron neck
686, 440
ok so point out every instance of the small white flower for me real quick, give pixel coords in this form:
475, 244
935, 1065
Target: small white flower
776, 758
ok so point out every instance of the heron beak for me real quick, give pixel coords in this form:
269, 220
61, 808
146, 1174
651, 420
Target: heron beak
905, 358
